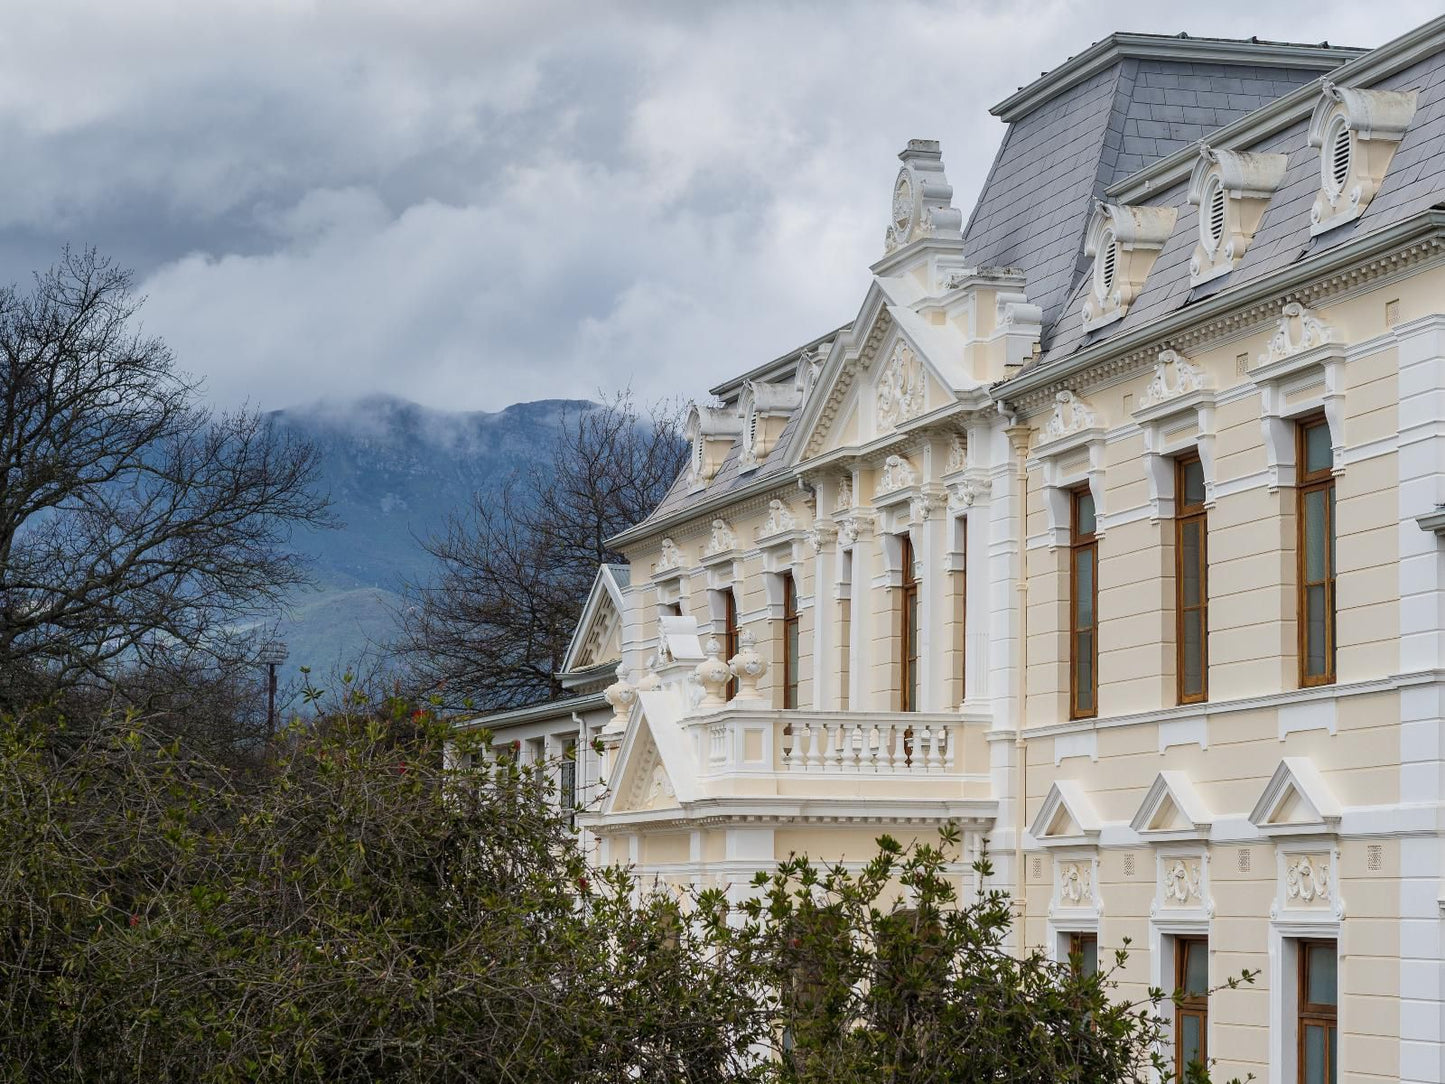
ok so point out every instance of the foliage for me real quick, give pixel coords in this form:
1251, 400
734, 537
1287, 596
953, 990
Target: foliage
135, 525
493, 625
353, 911
367, 905
885, 975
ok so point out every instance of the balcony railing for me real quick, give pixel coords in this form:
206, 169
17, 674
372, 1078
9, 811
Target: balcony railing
869, 747
752, 740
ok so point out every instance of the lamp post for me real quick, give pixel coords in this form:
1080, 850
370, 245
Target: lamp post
273, 653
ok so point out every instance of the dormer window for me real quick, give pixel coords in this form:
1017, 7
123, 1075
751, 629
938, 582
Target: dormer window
711, 432
1357, 132
1124, 242
1231, 190
765, 411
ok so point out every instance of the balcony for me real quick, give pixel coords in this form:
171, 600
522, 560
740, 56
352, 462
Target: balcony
750, 749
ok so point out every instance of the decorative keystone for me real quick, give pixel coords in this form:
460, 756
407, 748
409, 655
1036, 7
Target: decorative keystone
748, 667
713, 675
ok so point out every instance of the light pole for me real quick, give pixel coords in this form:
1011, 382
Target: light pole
273, 653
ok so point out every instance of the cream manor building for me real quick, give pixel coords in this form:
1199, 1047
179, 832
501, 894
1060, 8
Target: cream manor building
1109, 530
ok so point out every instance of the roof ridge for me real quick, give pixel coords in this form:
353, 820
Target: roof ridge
1177, 47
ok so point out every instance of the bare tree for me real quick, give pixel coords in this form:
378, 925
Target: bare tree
135, 524
492, 626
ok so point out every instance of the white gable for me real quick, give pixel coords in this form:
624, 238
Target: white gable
1296, 801
1066, 818
597, 639
1172, 810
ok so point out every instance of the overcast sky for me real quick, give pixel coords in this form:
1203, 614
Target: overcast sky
475, 203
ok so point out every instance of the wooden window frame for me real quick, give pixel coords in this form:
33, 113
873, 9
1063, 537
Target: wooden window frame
960, 588
791, 645
730, 635
1190, 1005
1309, 482
1308, 1012
1077, 940
1077, 544
1184, 515
907, 630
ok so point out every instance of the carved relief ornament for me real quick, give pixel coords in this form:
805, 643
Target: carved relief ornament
671, 557
898, 473
780, 519
1076, 883
1071, 415
721, 539
901, 392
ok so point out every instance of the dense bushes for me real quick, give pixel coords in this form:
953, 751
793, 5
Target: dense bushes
345, 908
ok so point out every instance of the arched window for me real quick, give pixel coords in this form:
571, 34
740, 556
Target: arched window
908, 629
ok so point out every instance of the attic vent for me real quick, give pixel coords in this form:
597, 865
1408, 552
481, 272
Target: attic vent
1108, 264
1339, 163
1215, 222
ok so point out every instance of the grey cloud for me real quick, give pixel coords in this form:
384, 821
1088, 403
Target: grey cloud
470, 204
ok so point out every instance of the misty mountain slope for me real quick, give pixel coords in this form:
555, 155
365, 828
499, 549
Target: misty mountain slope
394, 470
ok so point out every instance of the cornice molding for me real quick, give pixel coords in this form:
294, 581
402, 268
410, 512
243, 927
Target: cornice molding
1249, 307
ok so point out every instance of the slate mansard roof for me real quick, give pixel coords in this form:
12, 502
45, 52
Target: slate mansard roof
1122, 122
1415, 182
1146, 98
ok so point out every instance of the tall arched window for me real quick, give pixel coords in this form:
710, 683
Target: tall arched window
790, 642
908, 629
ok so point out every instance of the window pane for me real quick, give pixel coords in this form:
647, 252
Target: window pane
1334, 1056
1193, 479
1315, 630
1321, 971
1084, 512
1314, 1051
1317, 448
1088, 949
1193, 652
1190, 1035
1315, 539
1084, 670
1083, 588
1196, 967
1191, 541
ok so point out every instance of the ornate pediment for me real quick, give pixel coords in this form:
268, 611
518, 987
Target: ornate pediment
721, 539
1299, 329
1072, 415
1175, 376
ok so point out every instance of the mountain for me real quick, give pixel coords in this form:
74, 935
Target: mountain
394, 471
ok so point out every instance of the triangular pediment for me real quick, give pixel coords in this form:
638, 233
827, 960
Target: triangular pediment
1172, 810
1066, 818
654, 768
597, 639
886, 389
644, 783
1296, 801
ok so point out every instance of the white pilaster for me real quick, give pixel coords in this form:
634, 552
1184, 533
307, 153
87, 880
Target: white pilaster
1421, 459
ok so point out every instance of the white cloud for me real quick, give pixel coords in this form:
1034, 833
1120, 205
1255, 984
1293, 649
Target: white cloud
474, 204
